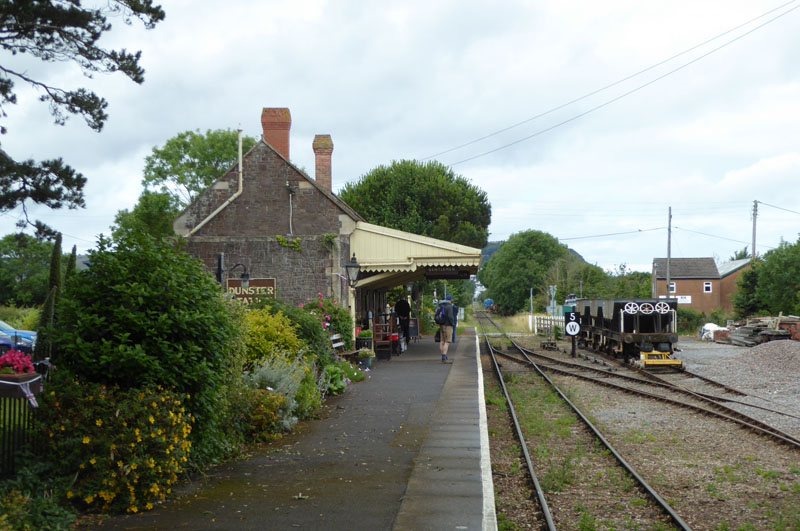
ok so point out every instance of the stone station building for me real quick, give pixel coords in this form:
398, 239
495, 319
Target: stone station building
294, 236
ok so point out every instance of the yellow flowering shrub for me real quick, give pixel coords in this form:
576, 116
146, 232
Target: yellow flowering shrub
124, 448
269, 333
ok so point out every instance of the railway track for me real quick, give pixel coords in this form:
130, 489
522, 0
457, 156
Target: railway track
657, 513
612, 374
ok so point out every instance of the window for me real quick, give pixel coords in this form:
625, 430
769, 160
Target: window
706, 287
672, 288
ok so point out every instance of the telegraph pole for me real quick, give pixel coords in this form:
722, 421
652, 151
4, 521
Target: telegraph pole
669, 247
755, 215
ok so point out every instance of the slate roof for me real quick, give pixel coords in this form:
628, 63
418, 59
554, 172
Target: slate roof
686, 268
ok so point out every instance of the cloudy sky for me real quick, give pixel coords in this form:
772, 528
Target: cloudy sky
535, 102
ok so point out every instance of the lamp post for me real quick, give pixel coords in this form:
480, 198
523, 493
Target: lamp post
353, 268
245, 277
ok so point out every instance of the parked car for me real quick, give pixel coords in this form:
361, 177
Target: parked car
6, 328
19, 343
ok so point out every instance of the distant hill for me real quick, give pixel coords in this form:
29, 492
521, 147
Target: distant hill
489, 250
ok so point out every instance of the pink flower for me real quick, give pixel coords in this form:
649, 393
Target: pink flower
320, 305
301, 304
17, 361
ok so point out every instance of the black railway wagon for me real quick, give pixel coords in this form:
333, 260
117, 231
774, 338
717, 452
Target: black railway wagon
642, 331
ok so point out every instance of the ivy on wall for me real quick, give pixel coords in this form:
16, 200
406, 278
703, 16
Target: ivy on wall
329, 241
294, 244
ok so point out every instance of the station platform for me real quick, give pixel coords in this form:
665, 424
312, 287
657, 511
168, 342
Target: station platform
405, 450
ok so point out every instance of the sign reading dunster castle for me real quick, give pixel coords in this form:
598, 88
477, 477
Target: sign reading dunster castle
259, 288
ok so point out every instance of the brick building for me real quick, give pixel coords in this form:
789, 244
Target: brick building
291, 233
698, 283
274, 219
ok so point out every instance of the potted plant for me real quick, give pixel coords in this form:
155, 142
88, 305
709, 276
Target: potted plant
364, 340
365, 356
16, 365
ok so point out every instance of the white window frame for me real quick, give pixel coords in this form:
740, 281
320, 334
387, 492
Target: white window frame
672, 287
708, 287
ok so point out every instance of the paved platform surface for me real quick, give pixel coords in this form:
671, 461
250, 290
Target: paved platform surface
405, 450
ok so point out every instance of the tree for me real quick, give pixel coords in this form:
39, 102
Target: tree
24, 269
47, 317
740, 255
57, 31
189, 162
422, 198
745, 302
152, 215
627, 284
778, 288
521, 263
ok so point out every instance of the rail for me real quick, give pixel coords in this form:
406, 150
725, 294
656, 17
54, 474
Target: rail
668, 510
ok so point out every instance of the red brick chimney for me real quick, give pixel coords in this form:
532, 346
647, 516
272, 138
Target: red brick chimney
276, 122
323, 149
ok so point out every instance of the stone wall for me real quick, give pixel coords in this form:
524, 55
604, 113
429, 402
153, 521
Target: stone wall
276, 201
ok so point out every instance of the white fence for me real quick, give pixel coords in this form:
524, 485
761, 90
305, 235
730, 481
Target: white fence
544, 324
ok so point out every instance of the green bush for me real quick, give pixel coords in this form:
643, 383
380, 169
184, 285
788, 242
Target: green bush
267, 333
283, 374
333, 318
309, 395
336, 376
27, 502
308, 329
265, 414
719, 317
20, 318
122, 449
145, 314
690, 321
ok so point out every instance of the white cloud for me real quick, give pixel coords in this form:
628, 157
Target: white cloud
408, 80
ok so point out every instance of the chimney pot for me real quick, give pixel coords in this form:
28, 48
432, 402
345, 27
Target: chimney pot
276, 122
323, 151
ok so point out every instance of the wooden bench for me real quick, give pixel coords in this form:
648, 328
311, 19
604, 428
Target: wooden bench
338, 347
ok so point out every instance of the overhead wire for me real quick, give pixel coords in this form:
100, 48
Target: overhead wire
611, 85
719, 237
625, 94
610, 234
779, 208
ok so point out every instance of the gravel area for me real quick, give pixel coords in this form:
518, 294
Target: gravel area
769, 373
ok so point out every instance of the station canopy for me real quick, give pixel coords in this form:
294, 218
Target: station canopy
390, 257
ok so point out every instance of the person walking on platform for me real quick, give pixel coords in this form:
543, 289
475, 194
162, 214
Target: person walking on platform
446, 323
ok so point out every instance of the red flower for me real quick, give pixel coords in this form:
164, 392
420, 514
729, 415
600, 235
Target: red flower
17, 361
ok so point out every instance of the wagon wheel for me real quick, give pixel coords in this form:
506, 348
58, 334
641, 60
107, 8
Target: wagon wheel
662, 307
631, 308
646, 308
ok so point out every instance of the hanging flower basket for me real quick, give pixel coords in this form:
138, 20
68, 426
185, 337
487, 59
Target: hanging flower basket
19, 377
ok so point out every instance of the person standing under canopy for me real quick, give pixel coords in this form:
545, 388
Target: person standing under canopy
403, 311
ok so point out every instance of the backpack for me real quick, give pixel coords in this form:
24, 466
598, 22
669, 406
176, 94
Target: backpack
440, 317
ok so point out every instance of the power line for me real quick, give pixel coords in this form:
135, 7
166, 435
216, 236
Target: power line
779, 208
610, 234
615, 83
719, 237
613, 100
